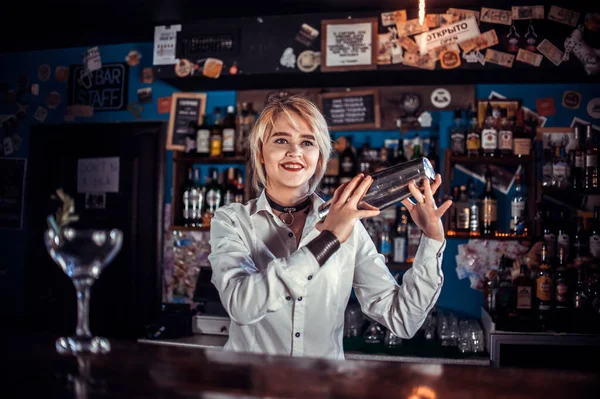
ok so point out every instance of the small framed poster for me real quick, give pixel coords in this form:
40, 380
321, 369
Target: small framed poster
186, 109
351, 110
349, 44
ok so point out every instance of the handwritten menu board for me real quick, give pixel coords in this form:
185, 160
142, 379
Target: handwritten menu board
12, 183
351, 110
104, 89
186, 108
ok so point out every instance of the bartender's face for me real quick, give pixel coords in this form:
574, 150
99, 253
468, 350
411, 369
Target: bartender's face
290, 153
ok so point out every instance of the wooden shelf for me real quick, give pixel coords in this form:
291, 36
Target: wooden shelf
507, 160
186, 228
570, 191
195, 158
499, 236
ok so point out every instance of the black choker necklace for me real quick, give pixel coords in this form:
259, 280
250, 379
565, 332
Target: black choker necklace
288, 210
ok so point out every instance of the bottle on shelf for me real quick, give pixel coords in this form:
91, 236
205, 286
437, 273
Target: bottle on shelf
229, 132
578, 160
203, 139
401, 234
216, 141
453, 211
473, 136
563, 238
505, 296
524, 291
457, 135
213, 197
521, 138
560, 168
385, 242
229, 188
505, 135
187, 213
544, 289
561, 290
347, 163
591, 160
580, 239
217, 116
489, 208
473, 209
549, 232
463, 210
594, 235
489, 134
517, 207
239, 187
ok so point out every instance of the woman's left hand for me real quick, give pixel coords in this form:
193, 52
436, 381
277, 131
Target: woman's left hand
426, 215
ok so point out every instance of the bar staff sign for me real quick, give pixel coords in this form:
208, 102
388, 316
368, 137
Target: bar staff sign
456, 32
103, 89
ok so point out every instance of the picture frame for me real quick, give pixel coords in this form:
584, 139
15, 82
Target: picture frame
556, 136
511, 104
335, 56
182, 113
369, 100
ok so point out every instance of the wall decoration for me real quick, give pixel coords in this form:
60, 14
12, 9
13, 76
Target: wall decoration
351, 109
7, 146
288, 58
407, 43
571, 99
41, 114
61, 74
35, 89
499, 58
233, 69
545, 106
144, 95
588, 56
436, 20
307, 35
349, 44
133, 58
494, 16
165, 45
9, 124
593, 108
456, 32
384, 52
541, 120
531, 38
105, 89
580, 122
393, 17
186, 109
563, 15
460, 14
44, 72
92, 60
450, 59
212, 68
420, 61
183, 68
135, 109
513, 39
551, 52
164, 105
308, 60
22, 83
529, 58
53, 99
528, 12
592, 21
147, 75
483, 41
12, 187
440, 98
473, 57
21, 113
511, 106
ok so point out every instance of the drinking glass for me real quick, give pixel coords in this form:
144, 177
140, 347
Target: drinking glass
390, 185
82, 254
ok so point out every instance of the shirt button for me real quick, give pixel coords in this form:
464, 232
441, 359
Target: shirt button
287, 298
300, 298
290, 235
310, 277
297, 335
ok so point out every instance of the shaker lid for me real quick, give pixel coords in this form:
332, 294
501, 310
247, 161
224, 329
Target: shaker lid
428, 169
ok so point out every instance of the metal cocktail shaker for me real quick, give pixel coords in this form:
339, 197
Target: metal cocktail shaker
390, 185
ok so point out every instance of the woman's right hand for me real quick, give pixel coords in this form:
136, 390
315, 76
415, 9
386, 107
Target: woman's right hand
344, 212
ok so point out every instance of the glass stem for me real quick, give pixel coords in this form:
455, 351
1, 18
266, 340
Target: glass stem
83, 287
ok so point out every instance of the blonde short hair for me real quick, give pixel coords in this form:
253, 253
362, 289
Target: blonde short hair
286, 105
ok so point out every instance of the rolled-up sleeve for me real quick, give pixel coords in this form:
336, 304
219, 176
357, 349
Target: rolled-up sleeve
401, 308
247, 292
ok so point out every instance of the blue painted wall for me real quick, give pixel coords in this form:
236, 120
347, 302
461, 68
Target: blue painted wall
455, 294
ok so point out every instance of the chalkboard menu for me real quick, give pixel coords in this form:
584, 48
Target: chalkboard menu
186, 108
351, 110
104, 89
12, 181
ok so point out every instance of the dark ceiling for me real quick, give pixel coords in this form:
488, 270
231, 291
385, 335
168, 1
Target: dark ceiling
69, 23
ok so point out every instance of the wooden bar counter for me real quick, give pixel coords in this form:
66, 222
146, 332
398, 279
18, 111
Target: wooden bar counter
32, 368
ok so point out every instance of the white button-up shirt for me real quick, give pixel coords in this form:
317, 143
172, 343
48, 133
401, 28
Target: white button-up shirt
281, 302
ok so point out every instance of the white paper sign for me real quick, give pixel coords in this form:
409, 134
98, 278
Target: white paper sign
349, 45
92, 60
456, 32
98, 175
165, 43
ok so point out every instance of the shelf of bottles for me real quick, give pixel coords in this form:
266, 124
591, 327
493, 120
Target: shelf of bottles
498, 140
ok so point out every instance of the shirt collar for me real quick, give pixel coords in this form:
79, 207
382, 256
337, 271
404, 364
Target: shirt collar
263, 205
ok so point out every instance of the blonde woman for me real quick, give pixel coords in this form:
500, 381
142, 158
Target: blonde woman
285, 277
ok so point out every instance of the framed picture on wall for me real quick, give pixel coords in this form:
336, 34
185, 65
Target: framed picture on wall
497, 104
186, 111
348, 44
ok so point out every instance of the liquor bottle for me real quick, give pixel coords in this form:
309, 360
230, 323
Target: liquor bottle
578, 160
490, 288
457, 135
213, 196
524, 293
505, 134
239, 187
244, 125
544, 289
591, 160
489, 134
580, 293
563, 238
216, 141
196, 200
505, 295
517, 208
473, 136
463, 210
203, 140
401, 235
560, 169
594, 240
229, 187
347, 163
580, 241
385, 243
400, 156
452, 211
521, 138
549, 233
187, 193
217, 116
417, 147
229, 130
488, 209
473, 209
562, 291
